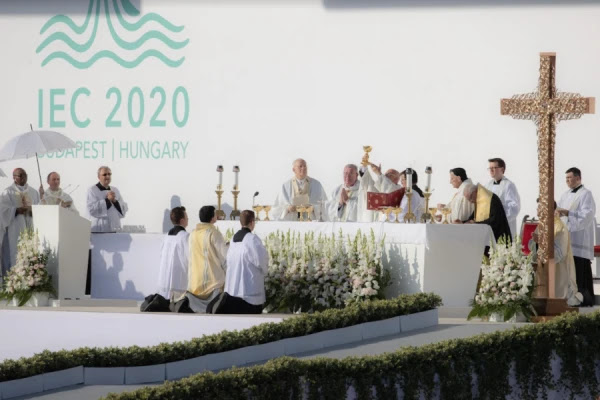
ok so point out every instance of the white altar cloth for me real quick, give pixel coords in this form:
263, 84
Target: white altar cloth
444, 259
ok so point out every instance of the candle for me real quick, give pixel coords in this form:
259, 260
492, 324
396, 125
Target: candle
220, 171
428, 171
236, 170
408, 180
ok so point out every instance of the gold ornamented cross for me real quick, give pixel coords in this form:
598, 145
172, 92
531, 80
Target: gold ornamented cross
547, 107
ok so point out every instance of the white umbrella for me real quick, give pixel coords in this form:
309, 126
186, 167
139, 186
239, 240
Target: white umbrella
32, 143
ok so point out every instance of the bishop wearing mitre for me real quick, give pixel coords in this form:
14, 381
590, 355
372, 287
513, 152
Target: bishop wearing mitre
299, 191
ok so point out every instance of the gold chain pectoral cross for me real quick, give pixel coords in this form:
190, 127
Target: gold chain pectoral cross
546, 107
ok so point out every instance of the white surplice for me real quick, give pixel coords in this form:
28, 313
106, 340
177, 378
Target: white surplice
580, 221
460, 206
173, 271
294, 192
247, 265
104, 218
509, 196
58, 197
11, 224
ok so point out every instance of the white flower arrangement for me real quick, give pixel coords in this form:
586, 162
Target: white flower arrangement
29, 274
506, 282
314, 273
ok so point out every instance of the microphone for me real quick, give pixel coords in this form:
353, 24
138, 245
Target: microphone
253, 197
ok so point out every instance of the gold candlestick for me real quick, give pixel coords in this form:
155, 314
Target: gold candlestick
427, 215
409, 217
235, 212
220, 213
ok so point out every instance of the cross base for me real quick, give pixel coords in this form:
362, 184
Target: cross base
548, 308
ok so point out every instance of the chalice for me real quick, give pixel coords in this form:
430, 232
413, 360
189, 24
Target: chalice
397, 211
365, 159
386, 211
432, 211
267, 209
257, 210
446, 211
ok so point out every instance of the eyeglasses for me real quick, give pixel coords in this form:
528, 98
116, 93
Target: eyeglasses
493, 168
107, 174
18, 176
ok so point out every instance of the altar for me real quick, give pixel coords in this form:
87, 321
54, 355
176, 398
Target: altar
443, 259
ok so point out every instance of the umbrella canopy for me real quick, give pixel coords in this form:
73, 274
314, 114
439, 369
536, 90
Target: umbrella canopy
33, 143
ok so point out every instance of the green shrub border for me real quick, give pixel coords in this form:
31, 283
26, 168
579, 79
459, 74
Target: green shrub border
133, 356
530, 349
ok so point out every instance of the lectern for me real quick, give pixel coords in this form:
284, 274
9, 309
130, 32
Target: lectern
67, 236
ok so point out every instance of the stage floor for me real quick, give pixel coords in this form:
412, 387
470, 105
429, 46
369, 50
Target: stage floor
26, 331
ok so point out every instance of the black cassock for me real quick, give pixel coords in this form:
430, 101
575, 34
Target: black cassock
497, 220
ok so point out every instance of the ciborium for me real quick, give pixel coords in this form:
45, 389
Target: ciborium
433, 211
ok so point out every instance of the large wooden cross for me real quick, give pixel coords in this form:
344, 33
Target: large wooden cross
546, 107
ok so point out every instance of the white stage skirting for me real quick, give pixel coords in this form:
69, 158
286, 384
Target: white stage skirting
57, 330
444, 259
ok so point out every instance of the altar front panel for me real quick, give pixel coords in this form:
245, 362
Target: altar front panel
443, 259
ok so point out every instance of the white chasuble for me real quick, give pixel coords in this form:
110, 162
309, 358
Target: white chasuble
509, 196
580, 221
58, 197
173, 272
105, 216
12, 198
292, 193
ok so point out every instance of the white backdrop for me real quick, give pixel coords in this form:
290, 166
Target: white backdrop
272, 81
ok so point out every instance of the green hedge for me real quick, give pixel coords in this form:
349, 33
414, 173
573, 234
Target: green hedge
574, 338
305, 324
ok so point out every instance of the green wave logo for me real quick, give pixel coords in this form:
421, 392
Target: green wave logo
81, 58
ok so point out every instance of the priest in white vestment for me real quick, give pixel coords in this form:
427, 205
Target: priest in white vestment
105, 205
247, 265
174, 256
349, 200
461, 207
15, 215
54, 195
385, 183
565, 281
506, 190
578, 210
300, 190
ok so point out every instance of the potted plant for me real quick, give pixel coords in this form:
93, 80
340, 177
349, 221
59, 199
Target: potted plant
506, 284
28, 281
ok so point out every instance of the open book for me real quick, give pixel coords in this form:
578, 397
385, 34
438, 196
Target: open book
377, 200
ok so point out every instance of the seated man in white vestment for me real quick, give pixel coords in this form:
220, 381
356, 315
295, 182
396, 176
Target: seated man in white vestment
247, 265
54, 195
416, 203
105, 205
506, 190
564, 282
578, 211
349, 200
300, 190
461, 207
15, 215
174, 256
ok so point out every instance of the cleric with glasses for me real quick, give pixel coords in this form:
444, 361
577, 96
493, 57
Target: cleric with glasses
105, 205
